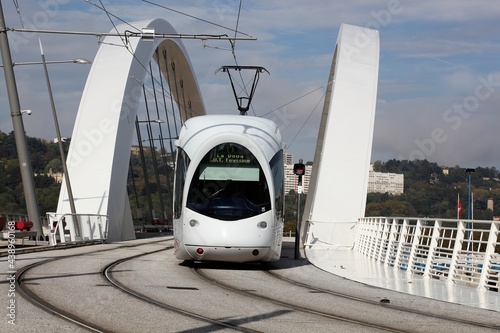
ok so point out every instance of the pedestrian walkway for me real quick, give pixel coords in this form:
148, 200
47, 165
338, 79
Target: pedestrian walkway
356, 266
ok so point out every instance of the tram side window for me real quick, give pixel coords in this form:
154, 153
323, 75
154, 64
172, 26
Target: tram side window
181, 166
277, 170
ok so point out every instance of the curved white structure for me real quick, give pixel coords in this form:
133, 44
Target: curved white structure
337, 191
229, 190
98, 158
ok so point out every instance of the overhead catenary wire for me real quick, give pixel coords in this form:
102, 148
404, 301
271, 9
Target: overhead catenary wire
307, 119
113, 23
110, 14
243, 85
197, 18
296, 99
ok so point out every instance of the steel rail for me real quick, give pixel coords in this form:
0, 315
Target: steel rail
39, 302
292, 306
107, 273
388, 305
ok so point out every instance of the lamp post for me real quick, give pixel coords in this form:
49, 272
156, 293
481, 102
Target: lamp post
469, 172
79, 61
18, 126
19, 134
59, 141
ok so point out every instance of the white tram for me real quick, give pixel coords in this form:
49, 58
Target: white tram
229, 190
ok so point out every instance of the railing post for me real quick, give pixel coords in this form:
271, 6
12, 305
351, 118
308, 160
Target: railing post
487, 260
390, 230
415, 244
402, 240
380, 239
456, 250
373, 238
394, 240
432, 248
361, 236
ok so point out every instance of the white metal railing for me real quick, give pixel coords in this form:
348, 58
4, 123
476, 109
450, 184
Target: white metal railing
457, 251
77, 227
21, 217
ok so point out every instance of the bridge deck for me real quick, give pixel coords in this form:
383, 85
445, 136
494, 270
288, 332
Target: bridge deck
356, 266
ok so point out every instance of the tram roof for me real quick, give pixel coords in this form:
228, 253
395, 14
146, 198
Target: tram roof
264, 133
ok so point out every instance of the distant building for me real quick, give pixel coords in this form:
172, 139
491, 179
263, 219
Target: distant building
63, 139
379, 182
58, 176
136, 149
490, 204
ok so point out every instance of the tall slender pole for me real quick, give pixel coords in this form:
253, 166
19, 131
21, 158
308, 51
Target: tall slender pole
297, 225
60, 144
299, 169
469, 172
468, 204
19, 134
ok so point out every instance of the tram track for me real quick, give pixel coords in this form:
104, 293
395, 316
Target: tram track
387, 305
107, 274
290, 305
253, 300
204, 272
45, 305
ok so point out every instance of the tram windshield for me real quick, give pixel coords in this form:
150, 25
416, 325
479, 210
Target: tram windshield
229, 184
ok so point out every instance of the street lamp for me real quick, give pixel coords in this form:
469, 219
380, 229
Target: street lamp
18, 127
60, 144
159, 121
80, 61
469, 172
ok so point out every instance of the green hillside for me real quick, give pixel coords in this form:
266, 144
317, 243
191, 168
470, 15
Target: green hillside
428, 192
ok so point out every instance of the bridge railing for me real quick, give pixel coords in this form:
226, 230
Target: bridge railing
77, 227
464, 252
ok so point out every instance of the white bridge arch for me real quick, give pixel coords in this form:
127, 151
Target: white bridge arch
98, 158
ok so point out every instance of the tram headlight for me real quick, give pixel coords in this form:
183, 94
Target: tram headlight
262, 225
194, 223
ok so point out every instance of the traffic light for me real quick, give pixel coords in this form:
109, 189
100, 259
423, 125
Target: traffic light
299, 169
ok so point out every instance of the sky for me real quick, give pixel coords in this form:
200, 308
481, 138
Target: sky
439, 76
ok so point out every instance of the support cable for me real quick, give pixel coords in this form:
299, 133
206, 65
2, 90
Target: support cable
162, 146
144, 168
160, 74
153, 151
171, 95
18, 10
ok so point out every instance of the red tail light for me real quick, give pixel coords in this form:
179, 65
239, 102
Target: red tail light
199, 250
